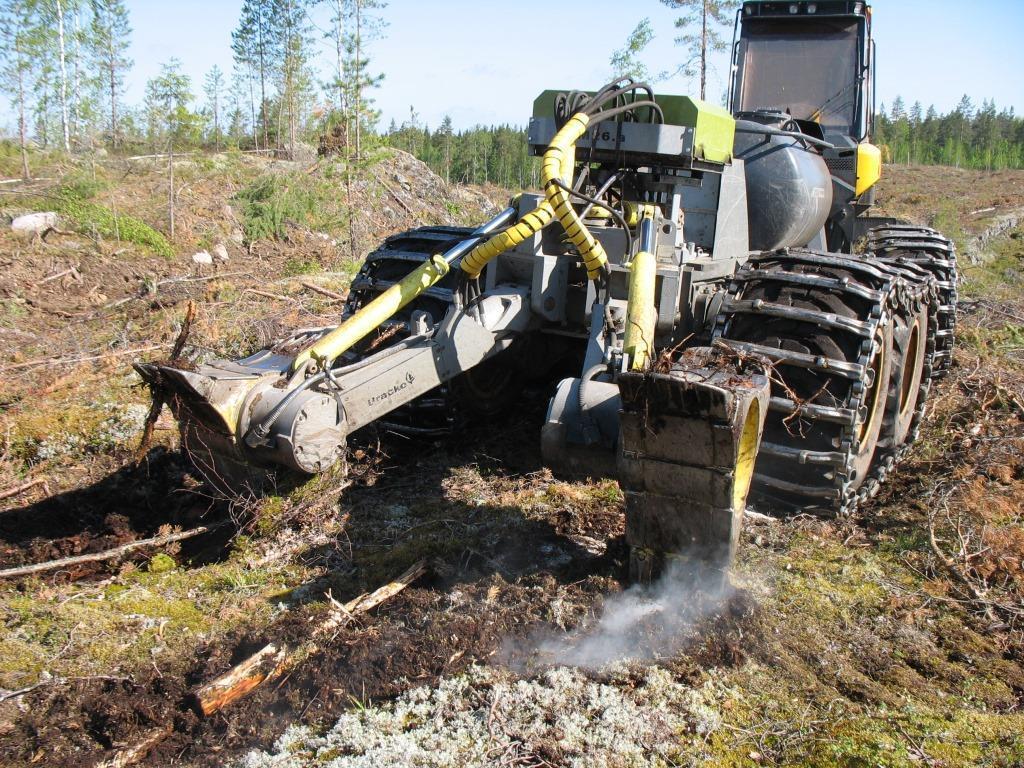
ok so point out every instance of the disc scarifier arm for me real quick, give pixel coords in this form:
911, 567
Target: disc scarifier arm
696, 263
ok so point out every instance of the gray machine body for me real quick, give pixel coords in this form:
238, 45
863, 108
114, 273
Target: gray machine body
699, 237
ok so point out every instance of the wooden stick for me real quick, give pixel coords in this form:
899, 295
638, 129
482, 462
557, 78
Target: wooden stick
109, 554
69, 271
272, 661
323, 291
90, 358
268, 295
394, 194
137, 752
159, 396
6, 494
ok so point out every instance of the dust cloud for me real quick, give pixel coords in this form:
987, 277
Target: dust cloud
643, 623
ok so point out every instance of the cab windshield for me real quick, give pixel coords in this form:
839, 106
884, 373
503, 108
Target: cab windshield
809, 70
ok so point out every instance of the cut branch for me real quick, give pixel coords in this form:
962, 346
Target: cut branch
272, 661
158, 395
87, 359
109, 554
323, 291
18, 489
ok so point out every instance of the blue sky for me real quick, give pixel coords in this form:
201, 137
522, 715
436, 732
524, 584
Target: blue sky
483, 61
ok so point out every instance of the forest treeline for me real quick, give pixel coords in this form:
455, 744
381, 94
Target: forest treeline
64, 65
982, 137
966, 137
301, 69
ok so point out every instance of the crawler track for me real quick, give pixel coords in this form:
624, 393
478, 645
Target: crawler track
482, 391
832, 326
909, 245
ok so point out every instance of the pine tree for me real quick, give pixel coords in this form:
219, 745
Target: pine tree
444, 135
111, 32
363, 27
704, 18
168, 96
214, 88
254, 45
293, 28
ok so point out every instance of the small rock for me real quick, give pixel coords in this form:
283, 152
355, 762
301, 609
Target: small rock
34, 223
228, 212
220, 251
237, 237
202, 258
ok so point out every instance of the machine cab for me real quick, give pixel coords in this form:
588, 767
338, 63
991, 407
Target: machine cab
813, 61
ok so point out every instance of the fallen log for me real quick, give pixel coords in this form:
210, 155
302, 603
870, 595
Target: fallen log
272, 661
109, 554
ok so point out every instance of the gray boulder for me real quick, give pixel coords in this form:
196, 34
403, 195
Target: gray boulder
34, 223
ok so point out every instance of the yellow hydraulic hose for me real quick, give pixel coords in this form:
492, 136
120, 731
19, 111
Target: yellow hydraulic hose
558, 164
341, 339
529, 224
641, 315
590, 250
473, 263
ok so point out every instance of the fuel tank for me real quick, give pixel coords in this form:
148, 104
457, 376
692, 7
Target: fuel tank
789, 188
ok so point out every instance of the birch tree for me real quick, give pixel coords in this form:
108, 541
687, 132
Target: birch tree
16, 65
58, 9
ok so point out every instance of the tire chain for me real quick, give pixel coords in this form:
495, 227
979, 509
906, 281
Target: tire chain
907, 244
879, 286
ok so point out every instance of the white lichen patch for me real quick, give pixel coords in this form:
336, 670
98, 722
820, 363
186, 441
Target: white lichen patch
488, 717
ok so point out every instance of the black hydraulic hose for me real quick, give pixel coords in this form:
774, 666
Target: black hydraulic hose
600, 100
767, 130
600, 192
257, 434
610, 113
593, 201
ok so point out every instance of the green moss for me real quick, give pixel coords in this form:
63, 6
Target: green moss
11, 311
295, 267
129, 624
91, 217
1002, 271
161, 563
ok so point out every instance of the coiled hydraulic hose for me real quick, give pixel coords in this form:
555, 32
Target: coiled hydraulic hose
529, 224
556, 175
590, 250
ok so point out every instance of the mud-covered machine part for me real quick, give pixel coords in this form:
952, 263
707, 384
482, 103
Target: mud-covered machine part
697, 267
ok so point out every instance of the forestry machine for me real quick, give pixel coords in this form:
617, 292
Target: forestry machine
738, 323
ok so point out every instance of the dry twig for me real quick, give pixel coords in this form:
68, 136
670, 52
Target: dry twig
9, 492
323, 291
109, 554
